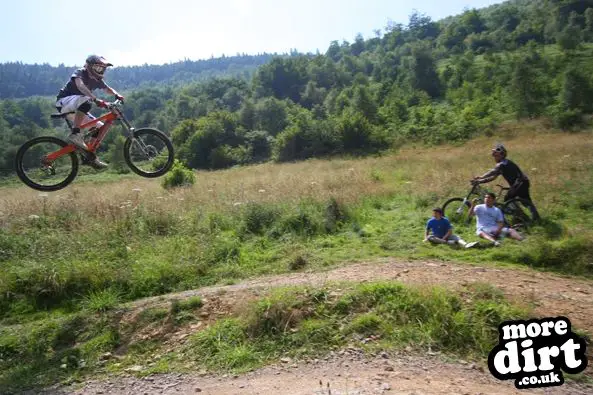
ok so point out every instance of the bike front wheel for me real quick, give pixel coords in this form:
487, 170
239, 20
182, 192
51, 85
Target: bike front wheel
149, 153
457, 211
517, 212
36, 168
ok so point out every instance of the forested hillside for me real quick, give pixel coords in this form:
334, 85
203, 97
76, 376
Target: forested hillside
18, 80
429, 81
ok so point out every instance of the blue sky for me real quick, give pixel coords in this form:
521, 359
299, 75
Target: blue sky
131, 32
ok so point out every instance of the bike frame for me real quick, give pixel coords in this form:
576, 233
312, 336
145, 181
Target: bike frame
474, 191
477, 190
107, 119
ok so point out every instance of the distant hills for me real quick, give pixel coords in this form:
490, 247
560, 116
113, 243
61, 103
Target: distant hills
18, 80
427, 81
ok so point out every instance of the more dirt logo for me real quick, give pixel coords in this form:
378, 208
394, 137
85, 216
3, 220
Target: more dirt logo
535, 352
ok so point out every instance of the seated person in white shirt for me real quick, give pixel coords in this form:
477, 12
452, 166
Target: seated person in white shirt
490, 221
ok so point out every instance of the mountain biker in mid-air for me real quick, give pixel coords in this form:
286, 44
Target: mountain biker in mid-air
518, 181
77, 94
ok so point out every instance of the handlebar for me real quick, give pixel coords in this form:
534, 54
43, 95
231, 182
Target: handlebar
474, 183
108, 105
114, 107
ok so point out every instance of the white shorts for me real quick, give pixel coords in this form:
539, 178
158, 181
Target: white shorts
491, 229
71, 103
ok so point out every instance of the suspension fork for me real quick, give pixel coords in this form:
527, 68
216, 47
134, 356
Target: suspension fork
131, 131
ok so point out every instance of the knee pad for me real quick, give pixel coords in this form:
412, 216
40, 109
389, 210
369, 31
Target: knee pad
85, 107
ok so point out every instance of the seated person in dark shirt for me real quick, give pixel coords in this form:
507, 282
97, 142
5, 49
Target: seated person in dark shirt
442, 231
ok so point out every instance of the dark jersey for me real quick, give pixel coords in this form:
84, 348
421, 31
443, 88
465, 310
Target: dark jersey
509, 170
71, 89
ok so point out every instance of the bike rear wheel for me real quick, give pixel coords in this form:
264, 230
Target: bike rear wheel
517, 212
35, 170
149, 153
457, 211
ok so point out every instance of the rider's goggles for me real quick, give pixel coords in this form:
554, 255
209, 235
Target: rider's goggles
99, 69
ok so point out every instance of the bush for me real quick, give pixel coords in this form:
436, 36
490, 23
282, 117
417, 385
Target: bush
178, 176
356, 132
365, 324
306, 221
566, 119
102, 300
222, 157
278, 313
335, 215
257, 218
260, 143
306, 138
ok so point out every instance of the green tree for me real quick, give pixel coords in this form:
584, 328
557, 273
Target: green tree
312, 95
577, 90
422, 27
305, 138
525, 90
247, 115
363, 102
334, 51
188, 107
282, 78
422, 71
271, 115
472, 22
588, 32
355, 131
358, 45
211, 132
260, 144
184, 130
570, 38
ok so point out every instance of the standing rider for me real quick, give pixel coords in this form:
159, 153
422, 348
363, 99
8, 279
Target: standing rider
77, 94
518, 181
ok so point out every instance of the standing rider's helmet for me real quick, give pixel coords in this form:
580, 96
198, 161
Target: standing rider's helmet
500, 148
96, 66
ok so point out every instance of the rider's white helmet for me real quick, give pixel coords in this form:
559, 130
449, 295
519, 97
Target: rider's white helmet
96, 66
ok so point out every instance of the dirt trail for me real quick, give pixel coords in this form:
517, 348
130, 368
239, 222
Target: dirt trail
345, 374
350, 373
550, 294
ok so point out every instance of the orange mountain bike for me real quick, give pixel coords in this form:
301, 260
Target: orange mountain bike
48, 163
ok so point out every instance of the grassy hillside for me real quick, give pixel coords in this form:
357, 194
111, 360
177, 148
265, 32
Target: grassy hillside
69, 257
134, 237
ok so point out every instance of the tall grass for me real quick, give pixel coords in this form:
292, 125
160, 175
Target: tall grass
551, 159
134, 238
